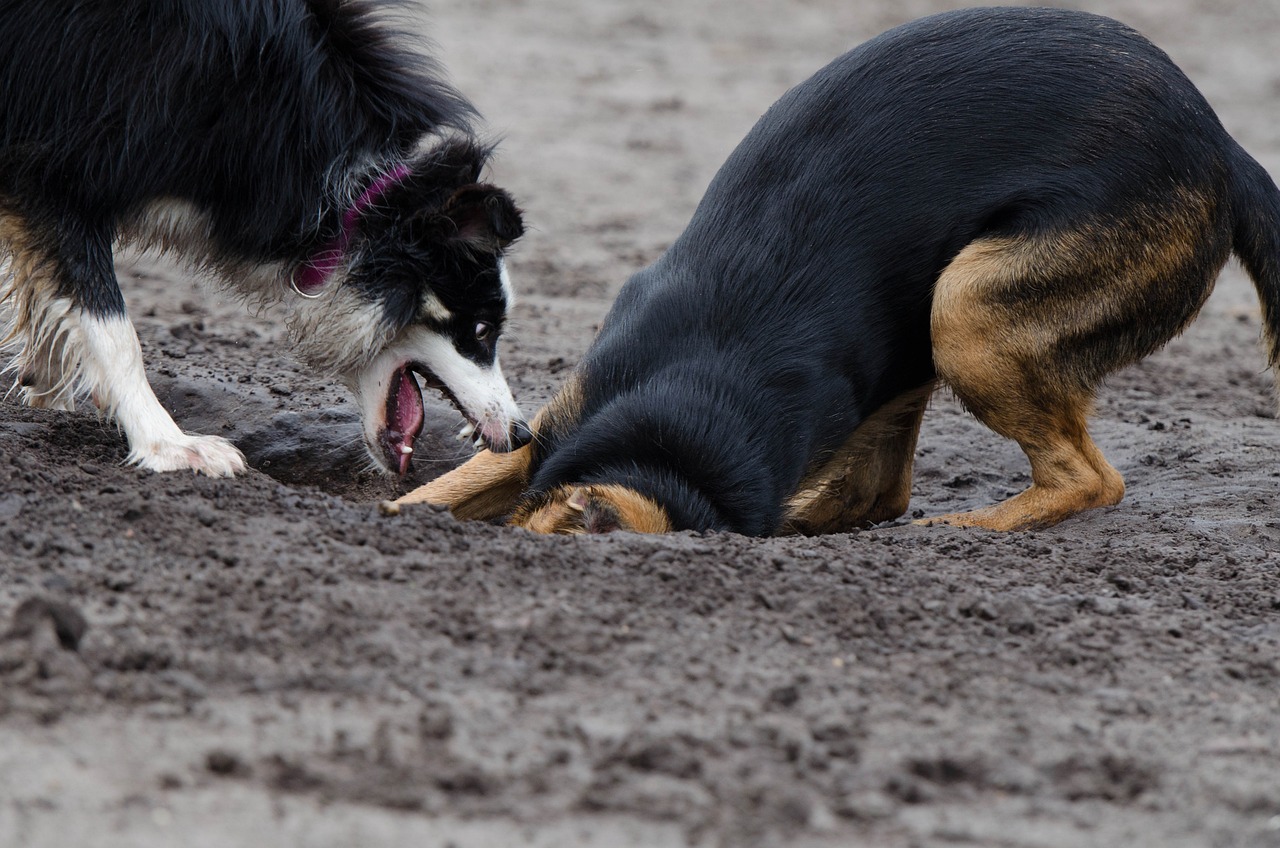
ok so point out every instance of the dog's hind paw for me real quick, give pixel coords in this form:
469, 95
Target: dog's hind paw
212, 456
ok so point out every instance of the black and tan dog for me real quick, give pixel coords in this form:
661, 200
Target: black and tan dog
1014, 202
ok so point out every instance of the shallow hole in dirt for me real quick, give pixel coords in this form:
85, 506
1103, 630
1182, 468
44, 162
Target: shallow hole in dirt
308, 443
361, 486
306, 450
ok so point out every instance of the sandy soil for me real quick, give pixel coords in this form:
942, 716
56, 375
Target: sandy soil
268, 661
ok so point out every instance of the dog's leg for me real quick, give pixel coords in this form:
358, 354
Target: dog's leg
1024, 328
869, 478
484, 487
1002, 363
116, 380
489, 485
1068, 472
34, 319
75, 338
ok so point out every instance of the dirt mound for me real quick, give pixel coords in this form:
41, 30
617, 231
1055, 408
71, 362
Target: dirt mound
270, 660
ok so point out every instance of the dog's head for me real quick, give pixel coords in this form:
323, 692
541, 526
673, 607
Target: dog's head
599, 508
422, 293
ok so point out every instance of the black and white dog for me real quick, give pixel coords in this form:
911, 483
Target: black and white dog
298, 149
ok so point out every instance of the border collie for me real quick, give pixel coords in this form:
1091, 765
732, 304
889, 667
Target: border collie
1012, 202
301, 151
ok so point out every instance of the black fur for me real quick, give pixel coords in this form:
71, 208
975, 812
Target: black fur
246, 109
440, 230
798, 299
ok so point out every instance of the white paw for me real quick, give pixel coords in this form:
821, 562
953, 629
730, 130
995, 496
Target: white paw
213, 456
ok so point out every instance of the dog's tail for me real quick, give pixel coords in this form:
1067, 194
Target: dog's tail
1255, 207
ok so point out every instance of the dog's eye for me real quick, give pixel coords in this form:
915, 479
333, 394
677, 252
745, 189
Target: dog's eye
483, 330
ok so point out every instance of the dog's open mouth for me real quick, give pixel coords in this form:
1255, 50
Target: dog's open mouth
389, 391
405, 416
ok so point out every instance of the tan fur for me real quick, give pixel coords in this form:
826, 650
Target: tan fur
435, 309
562, 412
869, 478
575, 510
489, 485
483, 488
1024, 329
41, 334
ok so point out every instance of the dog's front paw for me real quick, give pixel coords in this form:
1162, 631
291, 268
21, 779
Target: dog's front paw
213, 456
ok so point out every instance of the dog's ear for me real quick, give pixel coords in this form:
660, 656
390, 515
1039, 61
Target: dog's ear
462, 159
572, 510
481, 217
595, 514
593, 509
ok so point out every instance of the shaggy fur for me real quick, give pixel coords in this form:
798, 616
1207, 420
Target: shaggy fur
240, 136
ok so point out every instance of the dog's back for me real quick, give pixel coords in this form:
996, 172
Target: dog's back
845, 202
109, 106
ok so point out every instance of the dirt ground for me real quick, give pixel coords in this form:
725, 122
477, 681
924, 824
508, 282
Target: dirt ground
269, 661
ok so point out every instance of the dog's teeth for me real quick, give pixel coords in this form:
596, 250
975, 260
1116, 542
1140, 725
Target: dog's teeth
405, 449
479, 443
467, 430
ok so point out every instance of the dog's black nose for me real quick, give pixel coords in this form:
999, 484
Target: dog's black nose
521, 435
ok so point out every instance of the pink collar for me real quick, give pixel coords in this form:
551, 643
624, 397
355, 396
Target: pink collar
308, 278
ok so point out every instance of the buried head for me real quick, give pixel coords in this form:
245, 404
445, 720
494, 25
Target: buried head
598, 508
422, 301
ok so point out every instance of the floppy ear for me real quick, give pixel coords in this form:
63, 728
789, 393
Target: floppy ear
483, 217
464, 157
594, 514
599, 508
570, 510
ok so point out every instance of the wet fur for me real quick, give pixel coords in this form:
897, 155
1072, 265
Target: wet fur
973, 199
234, 136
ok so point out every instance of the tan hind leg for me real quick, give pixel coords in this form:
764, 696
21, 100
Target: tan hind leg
1068, 472
869, 477
1025, 327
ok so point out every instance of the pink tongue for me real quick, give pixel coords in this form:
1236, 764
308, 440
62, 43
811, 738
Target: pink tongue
409, 414
404, 420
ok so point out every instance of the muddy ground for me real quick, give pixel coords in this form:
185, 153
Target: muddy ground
268, 661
